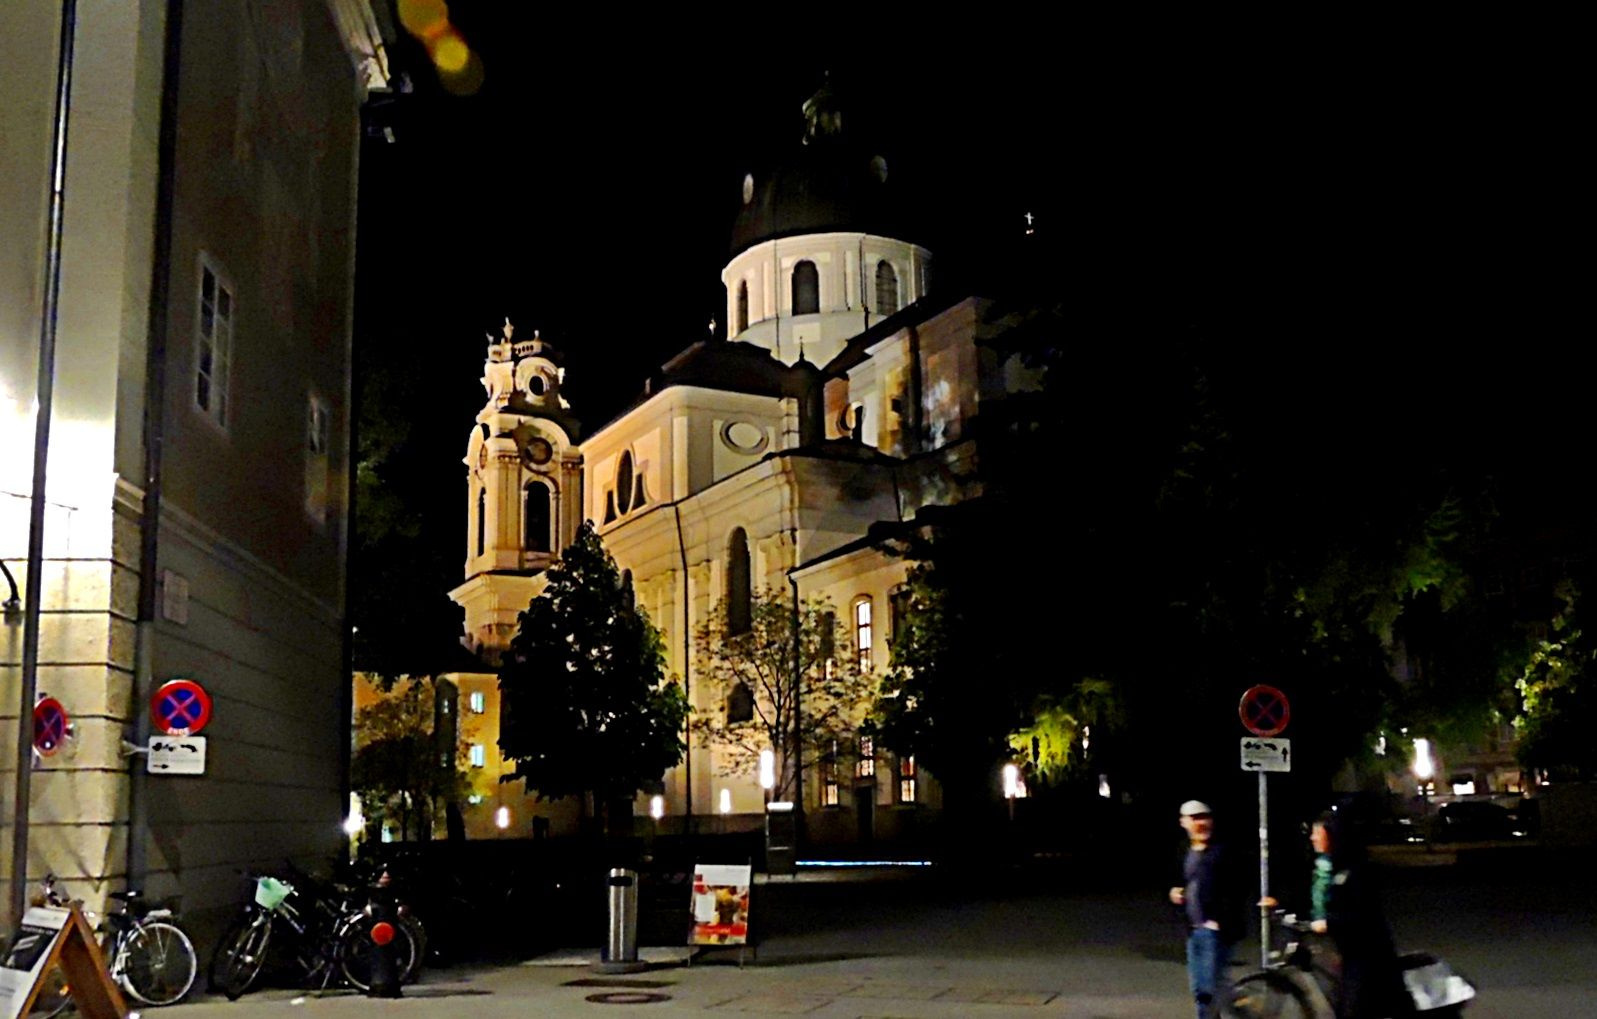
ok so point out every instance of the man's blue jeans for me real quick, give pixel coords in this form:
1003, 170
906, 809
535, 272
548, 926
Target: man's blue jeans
1207, 957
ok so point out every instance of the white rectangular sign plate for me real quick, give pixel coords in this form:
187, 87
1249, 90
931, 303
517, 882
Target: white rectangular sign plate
176, 755
1266, 753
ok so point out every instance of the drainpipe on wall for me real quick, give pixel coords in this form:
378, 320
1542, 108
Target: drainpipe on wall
154, 438
687, 659
34, 585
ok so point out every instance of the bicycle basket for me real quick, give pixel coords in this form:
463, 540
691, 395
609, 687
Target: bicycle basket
270, 892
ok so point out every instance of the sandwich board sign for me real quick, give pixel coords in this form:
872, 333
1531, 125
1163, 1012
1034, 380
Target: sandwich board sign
49, 938
721, 905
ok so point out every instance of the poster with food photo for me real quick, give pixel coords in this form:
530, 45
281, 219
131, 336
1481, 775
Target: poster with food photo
720, 904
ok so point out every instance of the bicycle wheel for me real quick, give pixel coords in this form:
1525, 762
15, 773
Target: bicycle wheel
158, 963
240, 955
357, 952
53, 998
418, 955
1268, 996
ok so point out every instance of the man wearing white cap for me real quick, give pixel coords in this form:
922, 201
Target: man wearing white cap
1208, 897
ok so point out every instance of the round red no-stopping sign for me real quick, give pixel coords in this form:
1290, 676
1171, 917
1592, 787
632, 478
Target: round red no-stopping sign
49, 726
181, 707
1264, 711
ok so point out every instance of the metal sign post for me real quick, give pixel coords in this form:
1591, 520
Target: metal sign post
1265, 712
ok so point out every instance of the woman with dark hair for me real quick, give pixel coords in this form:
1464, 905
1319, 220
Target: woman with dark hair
1345, 906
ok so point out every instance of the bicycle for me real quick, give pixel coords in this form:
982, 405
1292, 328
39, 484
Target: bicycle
1291, 986
331, 938
147, 953
1294, 985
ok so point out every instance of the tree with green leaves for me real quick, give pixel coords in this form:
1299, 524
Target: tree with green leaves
587, 709
801, 708
399, 770
1558, 696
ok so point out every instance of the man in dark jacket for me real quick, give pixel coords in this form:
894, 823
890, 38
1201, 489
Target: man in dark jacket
1211, 900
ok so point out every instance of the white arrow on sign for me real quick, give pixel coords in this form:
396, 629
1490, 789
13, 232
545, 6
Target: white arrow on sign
176, 755
1266, 753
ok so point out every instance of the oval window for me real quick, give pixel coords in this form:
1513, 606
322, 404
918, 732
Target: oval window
624, 482
743, 437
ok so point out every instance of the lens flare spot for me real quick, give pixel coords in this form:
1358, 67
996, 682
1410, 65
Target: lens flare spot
423, 17
450, 53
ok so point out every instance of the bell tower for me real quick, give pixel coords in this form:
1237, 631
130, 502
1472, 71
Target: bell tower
523, 488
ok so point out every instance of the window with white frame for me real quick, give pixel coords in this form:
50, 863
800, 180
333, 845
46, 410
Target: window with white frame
479, 755
213, 344
862, 633
479, 702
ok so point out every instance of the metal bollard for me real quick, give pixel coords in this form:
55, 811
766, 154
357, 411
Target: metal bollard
621, 944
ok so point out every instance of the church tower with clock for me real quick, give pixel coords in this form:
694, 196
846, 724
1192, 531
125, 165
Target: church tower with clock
524, 488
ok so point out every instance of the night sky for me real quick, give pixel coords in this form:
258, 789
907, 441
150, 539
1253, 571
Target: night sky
1374, 232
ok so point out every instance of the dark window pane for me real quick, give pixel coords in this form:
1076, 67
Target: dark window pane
806, 289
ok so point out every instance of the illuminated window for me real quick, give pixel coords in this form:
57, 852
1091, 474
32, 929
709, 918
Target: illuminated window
740, 320
886, 288
479, 755
482, 521
862, 633
535, 516
829, 796
906, 779
479, 702
738, 593
213, 344
865, 767
806, 289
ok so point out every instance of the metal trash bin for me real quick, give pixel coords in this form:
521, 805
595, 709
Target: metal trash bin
621, 942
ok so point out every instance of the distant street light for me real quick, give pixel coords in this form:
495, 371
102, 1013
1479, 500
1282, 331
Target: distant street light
1424, 771
1011, 787
502, 817
767, 772
657, 807
726, 801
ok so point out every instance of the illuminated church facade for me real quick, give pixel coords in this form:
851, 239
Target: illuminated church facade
842, 398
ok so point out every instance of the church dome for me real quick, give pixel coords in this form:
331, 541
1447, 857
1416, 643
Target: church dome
832, 182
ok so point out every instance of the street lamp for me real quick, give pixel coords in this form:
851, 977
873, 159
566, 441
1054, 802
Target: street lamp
1011, 787
1424, 771
767, 772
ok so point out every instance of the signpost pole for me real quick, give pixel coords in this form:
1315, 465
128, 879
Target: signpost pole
1264, 871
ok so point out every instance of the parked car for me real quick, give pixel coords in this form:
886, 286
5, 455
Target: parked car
1475, 820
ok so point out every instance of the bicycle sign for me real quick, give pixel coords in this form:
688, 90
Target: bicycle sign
1264, 711
180, 707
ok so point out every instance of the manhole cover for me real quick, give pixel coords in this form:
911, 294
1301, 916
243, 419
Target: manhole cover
626, 998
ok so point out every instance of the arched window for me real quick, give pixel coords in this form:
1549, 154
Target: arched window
806, 289
862, 633
624, 482
740, 704
738, 618
740, 319
482, 521
535, 516
886, 288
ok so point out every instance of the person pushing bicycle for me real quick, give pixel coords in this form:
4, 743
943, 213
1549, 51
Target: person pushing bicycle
1345, 907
